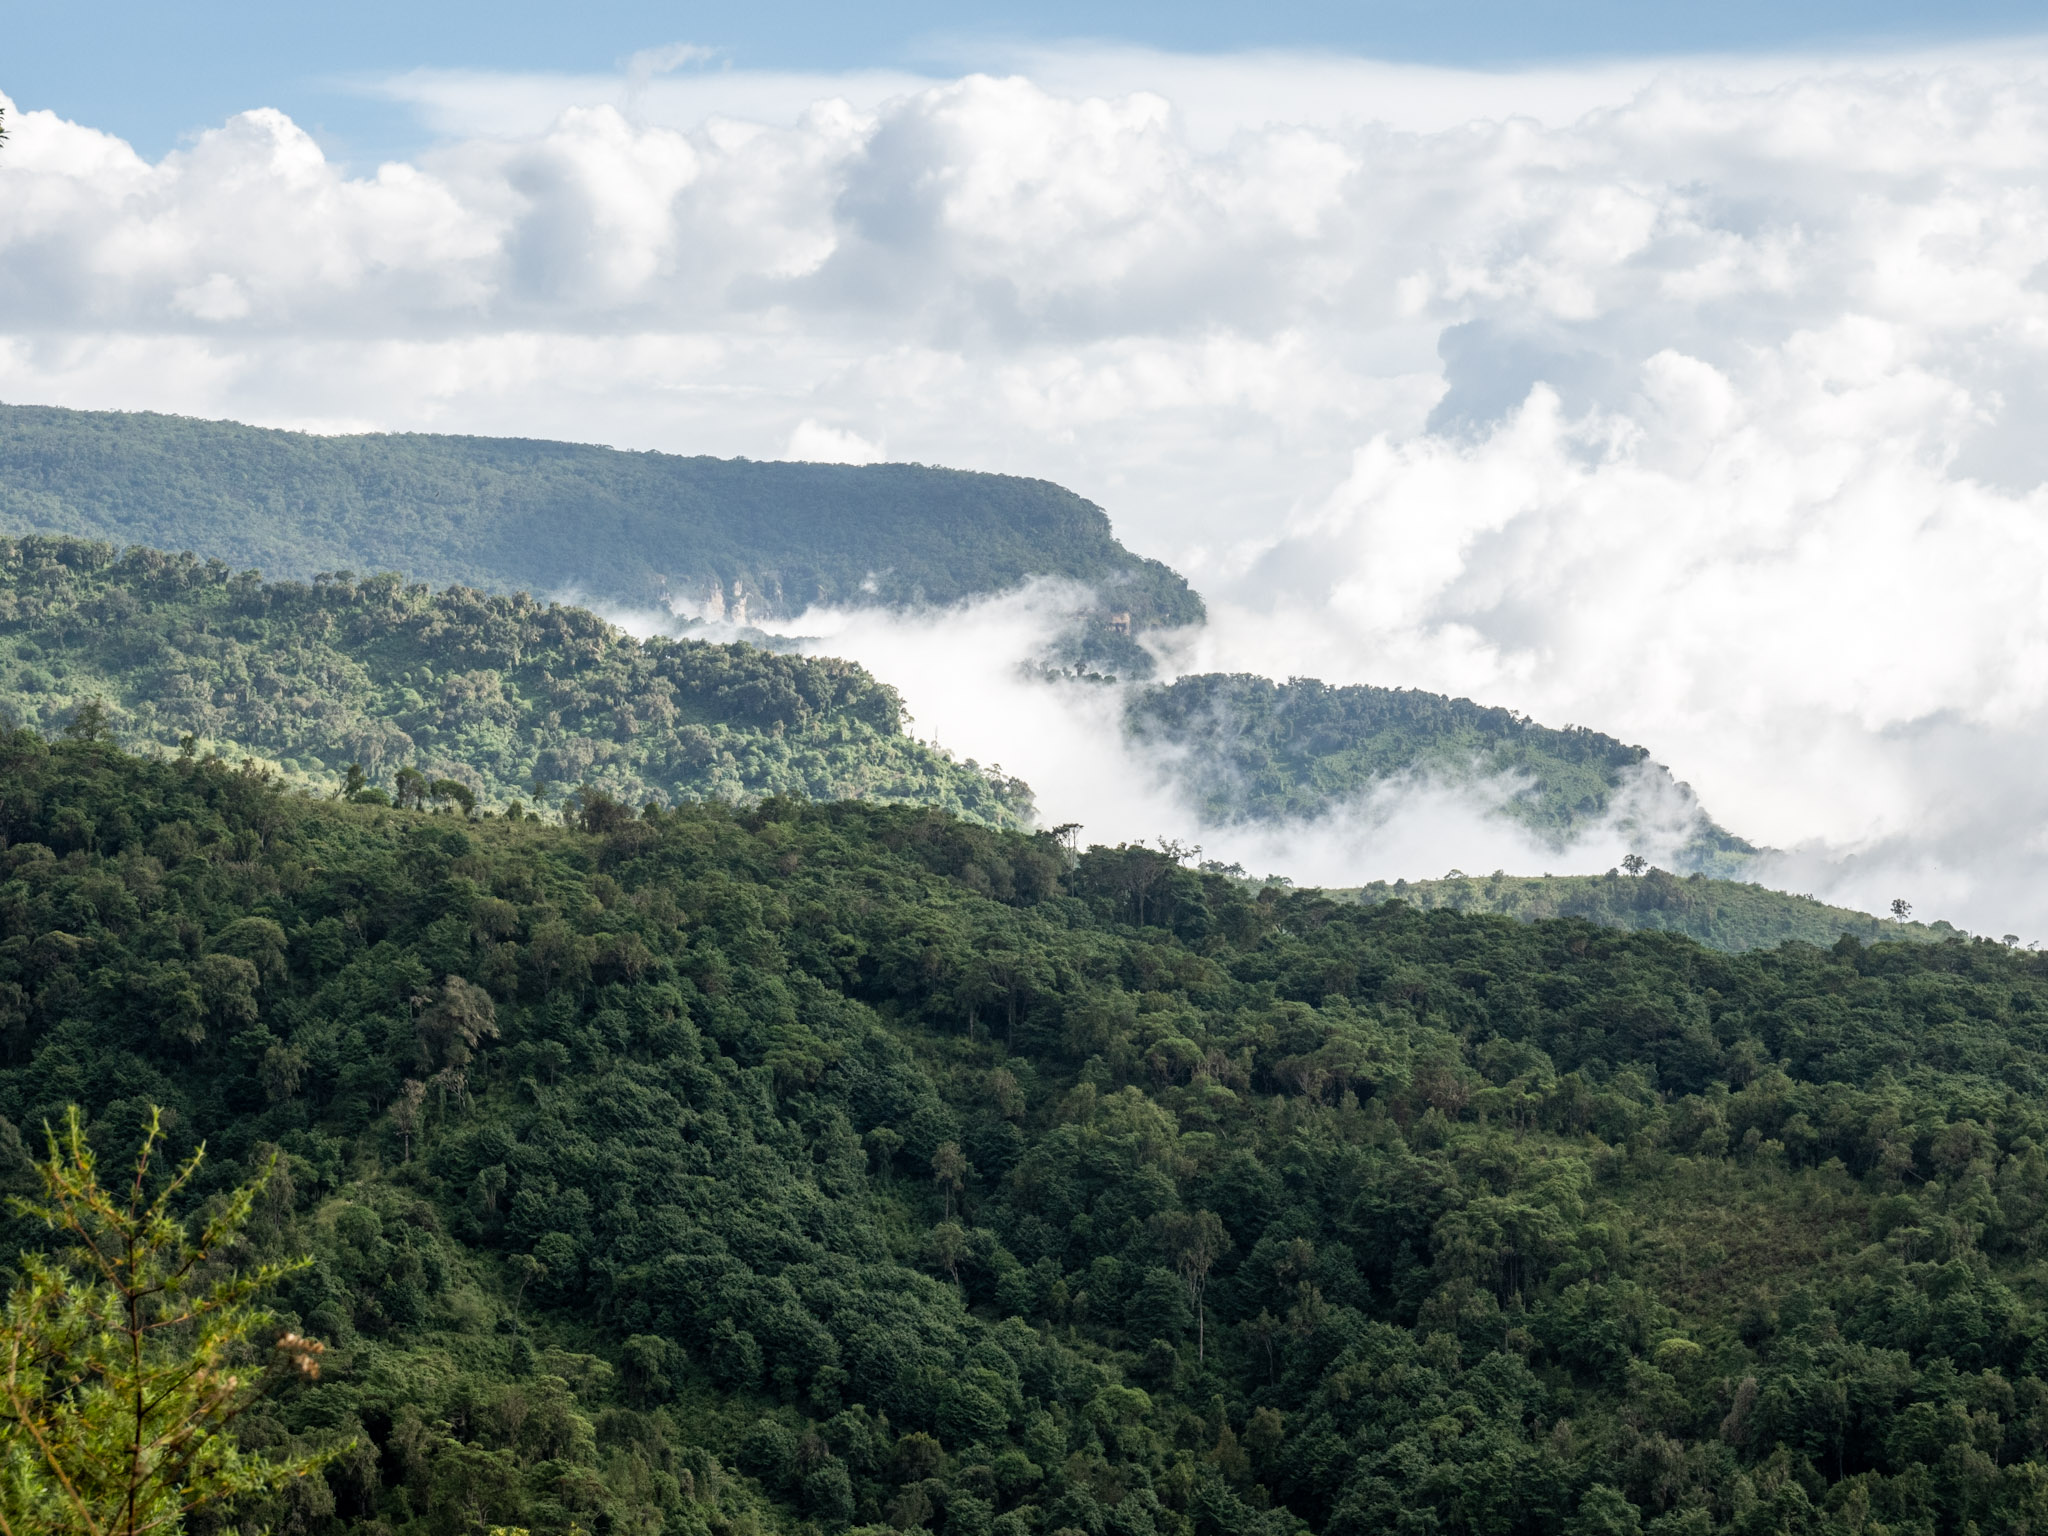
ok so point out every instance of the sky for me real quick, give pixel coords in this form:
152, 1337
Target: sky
153, 73
1669, 372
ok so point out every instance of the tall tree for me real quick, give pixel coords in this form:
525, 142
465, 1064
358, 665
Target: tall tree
1194, 1241
949, 1172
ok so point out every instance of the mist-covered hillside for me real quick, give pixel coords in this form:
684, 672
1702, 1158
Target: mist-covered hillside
1722, 914
734, 541
486, 690
805, 1170
731, 539
1245, 748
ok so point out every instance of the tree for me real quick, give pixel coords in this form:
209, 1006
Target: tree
1635, 863
355, 783
89, 723
950, 1169
405, 1112
595, 811
947, 1246
885, 1143
456, 1023
117, 1355
1901, 909
1194, 1242
453, 791
409, 788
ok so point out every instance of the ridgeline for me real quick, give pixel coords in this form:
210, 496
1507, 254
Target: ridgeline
731, 539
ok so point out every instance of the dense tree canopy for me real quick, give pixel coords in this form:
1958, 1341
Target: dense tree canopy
730, 1169
482, 693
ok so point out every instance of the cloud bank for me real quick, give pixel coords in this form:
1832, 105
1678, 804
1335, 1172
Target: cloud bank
1698, 403
960, 670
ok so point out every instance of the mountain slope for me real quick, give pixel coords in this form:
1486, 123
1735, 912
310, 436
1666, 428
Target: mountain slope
728, 537
1245, 748
736, 541
489, 691
826, 1167
1722, 914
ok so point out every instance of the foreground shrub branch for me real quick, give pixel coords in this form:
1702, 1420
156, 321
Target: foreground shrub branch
121, 1356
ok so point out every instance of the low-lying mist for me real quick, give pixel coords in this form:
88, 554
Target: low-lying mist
972, 685
971, 682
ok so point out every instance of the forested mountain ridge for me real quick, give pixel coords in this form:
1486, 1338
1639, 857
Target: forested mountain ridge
1722, 914
738, 541
489, 691
732, 538
1245, 748
829, 1166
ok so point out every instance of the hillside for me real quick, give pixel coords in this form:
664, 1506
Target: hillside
728, 538
812, 1168
1722, 914
489, 691
1245, 748
734, 541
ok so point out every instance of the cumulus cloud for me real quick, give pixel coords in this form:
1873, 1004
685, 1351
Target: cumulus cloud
1693, 402
814, 442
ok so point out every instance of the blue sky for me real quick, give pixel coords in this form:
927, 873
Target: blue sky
154, 72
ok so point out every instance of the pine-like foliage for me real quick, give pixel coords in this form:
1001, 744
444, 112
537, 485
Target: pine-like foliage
126, 1356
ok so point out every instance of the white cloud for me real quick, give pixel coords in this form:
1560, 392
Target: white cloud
1693, 401
816, 443
965, 691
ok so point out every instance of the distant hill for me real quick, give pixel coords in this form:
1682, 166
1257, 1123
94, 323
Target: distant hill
1246, 748
728, 539
483, 689
1723, 914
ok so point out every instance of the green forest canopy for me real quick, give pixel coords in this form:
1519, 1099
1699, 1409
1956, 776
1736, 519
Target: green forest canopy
845, 1166
488, 691
1249, 749
515, 514
1722, 914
